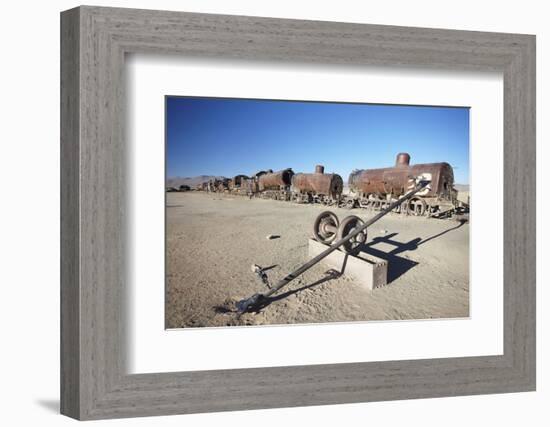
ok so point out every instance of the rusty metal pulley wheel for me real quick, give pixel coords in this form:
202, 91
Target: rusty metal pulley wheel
347, 226
416, 206
325, 227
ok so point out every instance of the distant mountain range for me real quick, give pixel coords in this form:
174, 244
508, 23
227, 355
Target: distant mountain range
462, 187
176, 181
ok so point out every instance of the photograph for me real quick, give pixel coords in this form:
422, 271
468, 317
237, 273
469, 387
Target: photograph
286, 212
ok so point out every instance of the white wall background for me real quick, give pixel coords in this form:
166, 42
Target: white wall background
29, 212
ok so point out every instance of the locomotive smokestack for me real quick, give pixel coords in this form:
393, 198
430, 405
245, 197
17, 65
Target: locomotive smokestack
319, 169
402, 160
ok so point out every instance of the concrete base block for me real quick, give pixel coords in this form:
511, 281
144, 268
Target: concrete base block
365, 269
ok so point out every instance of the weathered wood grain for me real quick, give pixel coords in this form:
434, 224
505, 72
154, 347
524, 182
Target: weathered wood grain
70, 220
94, 382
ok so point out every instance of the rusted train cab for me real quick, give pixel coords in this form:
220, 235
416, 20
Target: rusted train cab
376, 188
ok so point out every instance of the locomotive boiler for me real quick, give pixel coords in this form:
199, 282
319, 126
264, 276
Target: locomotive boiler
276, 180
275, 185
376, 188
318, 187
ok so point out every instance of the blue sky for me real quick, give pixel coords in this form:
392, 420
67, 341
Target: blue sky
216, 136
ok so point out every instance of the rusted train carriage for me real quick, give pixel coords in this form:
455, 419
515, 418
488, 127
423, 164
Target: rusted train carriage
223, 185
317, 187
376, 188
237, 184
250, 186
215, 185
212, 185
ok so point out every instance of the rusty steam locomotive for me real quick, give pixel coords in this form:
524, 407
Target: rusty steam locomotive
317, 187
377, 188
367, 188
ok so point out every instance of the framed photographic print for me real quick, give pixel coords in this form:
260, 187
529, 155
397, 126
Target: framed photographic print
260, 213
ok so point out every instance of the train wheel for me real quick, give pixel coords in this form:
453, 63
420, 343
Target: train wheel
325, 227
347, 226
350, 204
430, 210
363, 204
368, 198
416, 206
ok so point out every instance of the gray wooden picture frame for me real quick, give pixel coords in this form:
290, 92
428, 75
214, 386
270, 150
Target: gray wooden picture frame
94, 382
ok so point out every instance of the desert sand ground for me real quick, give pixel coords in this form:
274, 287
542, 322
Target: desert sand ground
212, 241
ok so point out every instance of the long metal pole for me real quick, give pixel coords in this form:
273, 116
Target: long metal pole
245, 304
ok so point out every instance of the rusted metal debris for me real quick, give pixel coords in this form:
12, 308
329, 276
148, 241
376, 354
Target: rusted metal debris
261, 274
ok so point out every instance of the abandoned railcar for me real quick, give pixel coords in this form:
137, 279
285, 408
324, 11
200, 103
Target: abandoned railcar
377, 188
317, 187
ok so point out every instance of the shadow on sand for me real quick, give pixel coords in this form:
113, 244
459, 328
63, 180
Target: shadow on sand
397, 265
